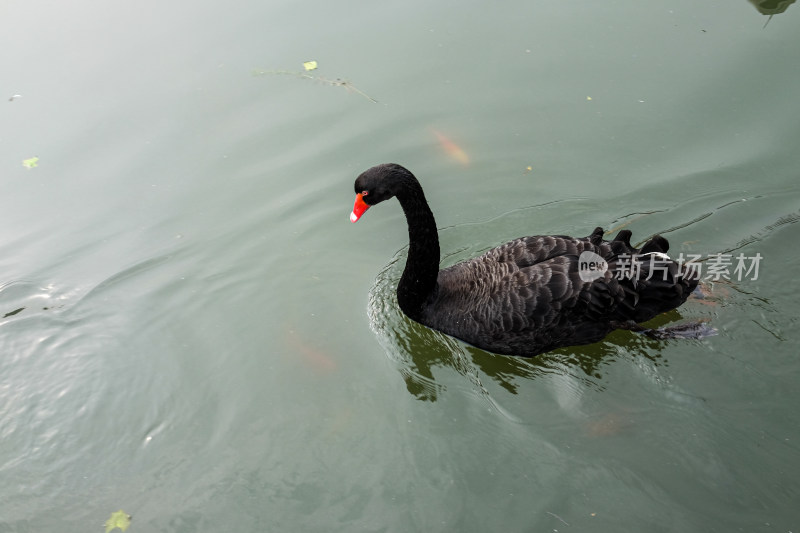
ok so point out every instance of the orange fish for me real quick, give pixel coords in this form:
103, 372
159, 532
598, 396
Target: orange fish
319, 361
451, 149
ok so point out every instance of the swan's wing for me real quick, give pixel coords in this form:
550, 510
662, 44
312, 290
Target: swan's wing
529, 251
524, 311
637, 284
528, 295
528, 284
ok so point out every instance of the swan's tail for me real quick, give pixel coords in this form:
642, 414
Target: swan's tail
653, 282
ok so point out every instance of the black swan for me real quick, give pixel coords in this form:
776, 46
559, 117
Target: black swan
530, 295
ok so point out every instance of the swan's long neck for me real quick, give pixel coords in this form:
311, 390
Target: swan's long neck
418, 282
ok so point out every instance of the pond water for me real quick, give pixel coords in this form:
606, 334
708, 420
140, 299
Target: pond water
193, 332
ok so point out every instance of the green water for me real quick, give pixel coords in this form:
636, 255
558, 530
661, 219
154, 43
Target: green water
192, 330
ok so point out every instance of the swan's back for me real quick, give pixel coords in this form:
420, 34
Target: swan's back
527, 296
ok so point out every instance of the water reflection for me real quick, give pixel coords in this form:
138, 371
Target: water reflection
771, 7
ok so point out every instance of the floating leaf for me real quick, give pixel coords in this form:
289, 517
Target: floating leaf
310, 65
119, 519
14, 312
30, 163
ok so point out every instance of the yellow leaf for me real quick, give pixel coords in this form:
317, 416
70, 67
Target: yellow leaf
310, 65
119, 519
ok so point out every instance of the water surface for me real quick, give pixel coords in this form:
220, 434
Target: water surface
193, 332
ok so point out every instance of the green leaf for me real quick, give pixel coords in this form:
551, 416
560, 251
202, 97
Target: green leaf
30, 163
310, 65
120, 519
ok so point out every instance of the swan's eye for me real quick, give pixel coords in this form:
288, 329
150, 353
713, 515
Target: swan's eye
364, 193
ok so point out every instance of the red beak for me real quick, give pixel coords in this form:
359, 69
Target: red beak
358, 208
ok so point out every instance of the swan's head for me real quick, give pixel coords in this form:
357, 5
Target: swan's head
377, 184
